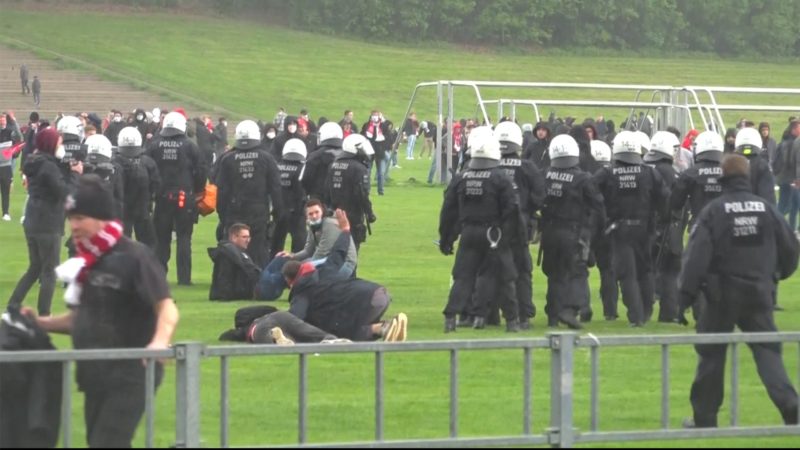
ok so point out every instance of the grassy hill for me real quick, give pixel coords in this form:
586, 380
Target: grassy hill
253, 70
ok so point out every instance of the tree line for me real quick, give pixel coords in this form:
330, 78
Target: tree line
725, 27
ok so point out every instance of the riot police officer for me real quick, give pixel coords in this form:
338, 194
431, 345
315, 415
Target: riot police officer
183, 176
632, 192
248, 182
738, 247
601, 247
71, 129
572, 209
141, 182
699, 184
481, 207
319, 162
529, 187
291, 168
347, 186
668, 245
750, 144
99, 162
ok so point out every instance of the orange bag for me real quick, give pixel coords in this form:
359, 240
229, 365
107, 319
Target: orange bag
208, 204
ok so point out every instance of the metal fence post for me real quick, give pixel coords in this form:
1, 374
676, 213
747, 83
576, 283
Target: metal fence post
187, 397
562, 346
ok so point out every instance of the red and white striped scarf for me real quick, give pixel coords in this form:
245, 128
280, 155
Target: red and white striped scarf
92, 249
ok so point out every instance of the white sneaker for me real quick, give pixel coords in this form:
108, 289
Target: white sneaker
7, 218
279, 338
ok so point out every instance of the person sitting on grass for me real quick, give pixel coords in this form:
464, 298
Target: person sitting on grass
235, 274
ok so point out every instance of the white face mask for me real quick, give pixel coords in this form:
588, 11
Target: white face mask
140, 118
376, 118
60, 152
314, 223
291, 128
271, 135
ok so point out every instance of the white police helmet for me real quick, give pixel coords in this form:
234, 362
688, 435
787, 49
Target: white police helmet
627, 147
484, 148
356, 144
509, 134
527, 128
69, 125
174, 125
330, 133
708, 146
294, 150
748, 142
564, 152
601, 151
663, 147
247, 135
644, 142
98, 148
129, 142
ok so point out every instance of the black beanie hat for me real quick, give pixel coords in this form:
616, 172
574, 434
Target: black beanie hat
93, 199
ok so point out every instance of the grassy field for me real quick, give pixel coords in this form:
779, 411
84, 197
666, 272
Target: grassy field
255, 70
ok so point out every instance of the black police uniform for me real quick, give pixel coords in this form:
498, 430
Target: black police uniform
141, 181
480, 204
347, 188
529, 186
117, 310
73, 152
602, 250
248, 182
668, 244
632, 193
183, 173
573, 207
111, 173
738, 248
761, 178
317, 167
294, 197
698, 186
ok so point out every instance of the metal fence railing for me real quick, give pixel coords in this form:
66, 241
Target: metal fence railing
563, 349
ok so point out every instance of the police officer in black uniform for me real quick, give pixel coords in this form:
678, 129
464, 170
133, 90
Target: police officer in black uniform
750, 144
183, 175
347, 186
70, 128
632, 193
99, 162
529, 187
141, 181
572, 209
602, 248
699, 185
319, 162
738, 247
248, 183
481, 207
291, 167
668, 245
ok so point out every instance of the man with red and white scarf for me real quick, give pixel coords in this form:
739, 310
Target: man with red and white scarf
118, 297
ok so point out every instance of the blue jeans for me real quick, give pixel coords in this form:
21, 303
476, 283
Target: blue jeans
412, 140
382, 171
271, 284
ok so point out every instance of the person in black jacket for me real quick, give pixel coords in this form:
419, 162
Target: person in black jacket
350, 308
44, 220
113, 128
536, 150
739, 247
347, 185
319, 162
291, 167
30, 398
248, 183
141, 181
235, 274
749, 143
183, 177
289, 132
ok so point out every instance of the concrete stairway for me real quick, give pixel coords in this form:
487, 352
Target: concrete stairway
73, 91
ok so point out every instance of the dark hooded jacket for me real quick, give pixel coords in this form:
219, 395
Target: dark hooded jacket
587, 162
283, 137
44, 213
537, 150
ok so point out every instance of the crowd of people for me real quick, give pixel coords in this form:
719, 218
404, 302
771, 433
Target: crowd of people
589, 195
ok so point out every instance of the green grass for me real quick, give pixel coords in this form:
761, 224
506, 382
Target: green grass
250, 69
